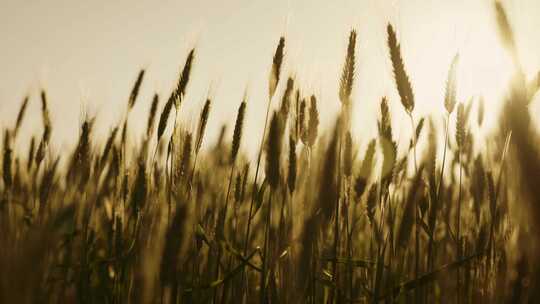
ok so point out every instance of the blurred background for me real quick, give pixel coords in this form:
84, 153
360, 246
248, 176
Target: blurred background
87, 54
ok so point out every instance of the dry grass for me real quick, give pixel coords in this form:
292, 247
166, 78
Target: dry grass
181, 220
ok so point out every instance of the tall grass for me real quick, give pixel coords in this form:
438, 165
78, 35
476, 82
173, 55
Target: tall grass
323, 221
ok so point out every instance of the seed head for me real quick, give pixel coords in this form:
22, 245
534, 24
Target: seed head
276, 67
401, 78
237, 135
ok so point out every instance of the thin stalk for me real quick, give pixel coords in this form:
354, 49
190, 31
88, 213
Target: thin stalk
414, 142
336, 230
443, 160
263, 292
281, 241
439, 187
416, 228
348, 231
168, 172
171, 167
190, 182
458, 228
498, 186
261, 146
292, 273
226, 285
437, 199
225, 220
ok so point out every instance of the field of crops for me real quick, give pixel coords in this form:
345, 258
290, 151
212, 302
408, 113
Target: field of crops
175, 218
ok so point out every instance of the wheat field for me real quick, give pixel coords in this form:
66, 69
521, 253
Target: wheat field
312, 219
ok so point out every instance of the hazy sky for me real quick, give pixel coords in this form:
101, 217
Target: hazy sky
87, 55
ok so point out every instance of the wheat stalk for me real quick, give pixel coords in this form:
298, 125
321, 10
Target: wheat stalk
135, 91
152, 115
238, 127
20, 115
276, 67
451, 86
291, 177
347, 74
401, 78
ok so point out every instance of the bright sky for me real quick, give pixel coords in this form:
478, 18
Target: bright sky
87, 55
